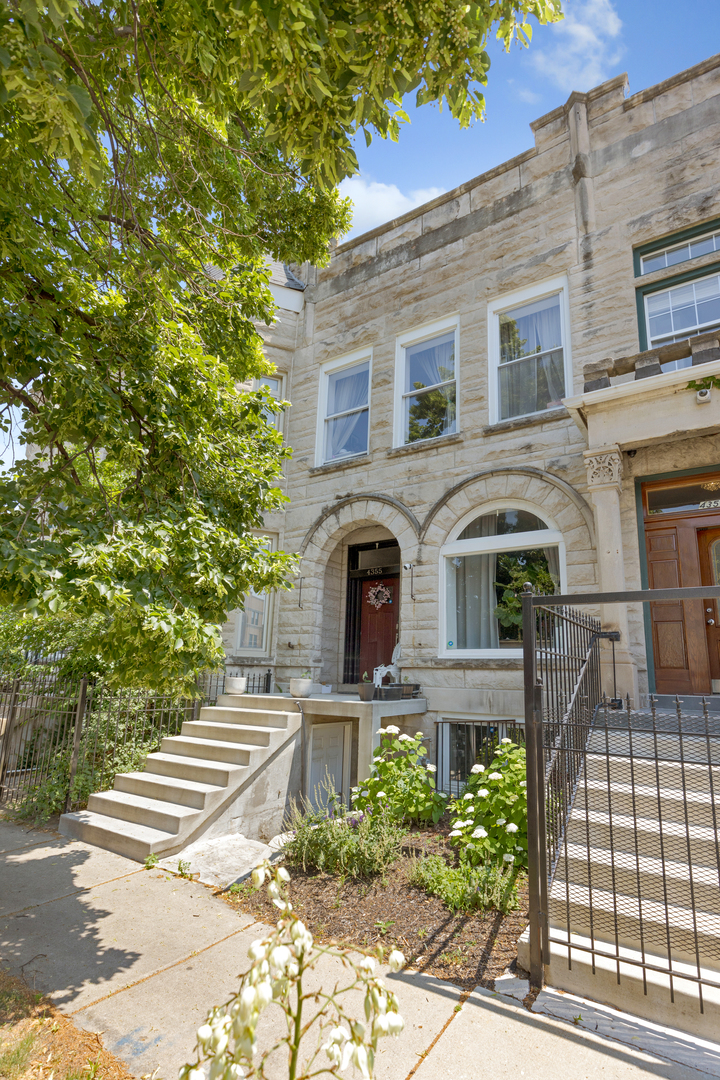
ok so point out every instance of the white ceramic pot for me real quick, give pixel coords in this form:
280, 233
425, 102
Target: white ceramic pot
300, 687
235, 684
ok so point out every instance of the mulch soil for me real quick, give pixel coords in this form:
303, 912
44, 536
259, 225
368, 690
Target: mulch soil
468, 950
38, 1043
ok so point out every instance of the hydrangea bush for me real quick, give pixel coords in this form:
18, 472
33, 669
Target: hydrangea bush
489, 819
399, 782
322, 1037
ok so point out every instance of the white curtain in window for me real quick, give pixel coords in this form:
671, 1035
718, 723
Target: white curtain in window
430, 363
347, 434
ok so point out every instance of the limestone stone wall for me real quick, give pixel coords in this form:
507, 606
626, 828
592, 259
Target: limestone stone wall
606, 173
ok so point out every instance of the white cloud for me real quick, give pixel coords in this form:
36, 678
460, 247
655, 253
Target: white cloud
376, 203
528, 95
586, 46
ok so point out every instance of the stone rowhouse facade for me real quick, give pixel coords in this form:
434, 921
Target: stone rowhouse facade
608, 173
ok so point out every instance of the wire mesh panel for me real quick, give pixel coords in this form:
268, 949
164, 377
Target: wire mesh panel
638, 876
623, 811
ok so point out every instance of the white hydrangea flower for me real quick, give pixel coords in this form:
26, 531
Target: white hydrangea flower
392, 730
468, 796
479, 833
508, 857
431, 768
380, 795
456, 832
443, 795
523, 783
483, 792
396, 960
511, 828
501, 821
506, 742
477, 769
495, 776
405, 738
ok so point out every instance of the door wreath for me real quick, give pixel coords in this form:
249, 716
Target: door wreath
379, 595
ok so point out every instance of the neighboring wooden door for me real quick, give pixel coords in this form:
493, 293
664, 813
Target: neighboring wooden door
378, 623
709, 545
678, 627
327, 754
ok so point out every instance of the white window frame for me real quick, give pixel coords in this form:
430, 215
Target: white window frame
668, 338
550, 537
515, 299
265, 647
415, 337
327, 369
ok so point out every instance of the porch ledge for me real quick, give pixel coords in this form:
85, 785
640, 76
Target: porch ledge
339, 705
476, 663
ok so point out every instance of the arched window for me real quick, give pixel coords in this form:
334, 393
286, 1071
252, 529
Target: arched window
482, 574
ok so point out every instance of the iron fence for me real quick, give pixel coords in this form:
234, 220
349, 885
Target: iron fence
62, 738
624, 847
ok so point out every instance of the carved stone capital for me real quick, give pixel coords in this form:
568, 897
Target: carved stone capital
604, 467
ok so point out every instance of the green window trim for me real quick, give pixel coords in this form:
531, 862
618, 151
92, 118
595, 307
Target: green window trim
670, 241
659, 286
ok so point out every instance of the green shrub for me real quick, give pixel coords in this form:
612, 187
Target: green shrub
465, 887
399, 783
489, 822
351, 845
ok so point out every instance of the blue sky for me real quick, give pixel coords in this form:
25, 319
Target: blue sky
597, 39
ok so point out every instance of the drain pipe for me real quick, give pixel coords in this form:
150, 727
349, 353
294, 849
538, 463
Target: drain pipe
303, 752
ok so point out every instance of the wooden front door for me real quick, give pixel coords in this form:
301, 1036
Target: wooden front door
682, 522
709, 544
379, 618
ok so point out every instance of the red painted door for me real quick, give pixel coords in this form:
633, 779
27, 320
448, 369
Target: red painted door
379, 617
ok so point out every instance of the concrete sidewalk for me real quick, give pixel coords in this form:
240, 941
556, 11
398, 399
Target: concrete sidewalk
141, 956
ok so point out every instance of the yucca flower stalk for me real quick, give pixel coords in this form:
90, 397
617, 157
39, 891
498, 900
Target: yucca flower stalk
316, 1022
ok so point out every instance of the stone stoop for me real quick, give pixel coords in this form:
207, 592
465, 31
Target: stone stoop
193, 778
612, 893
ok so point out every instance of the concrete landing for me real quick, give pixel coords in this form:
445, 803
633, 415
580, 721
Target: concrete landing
222, 861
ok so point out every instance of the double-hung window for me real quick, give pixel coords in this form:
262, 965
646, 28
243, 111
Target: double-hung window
273, 385
344, 413
253, 625
426, 377
529, 351
682, 311
483, 571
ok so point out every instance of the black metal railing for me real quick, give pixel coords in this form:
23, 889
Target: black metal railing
623, 817
62, 738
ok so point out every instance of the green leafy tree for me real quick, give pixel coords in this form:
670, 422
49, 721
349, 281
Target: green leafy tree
153, 155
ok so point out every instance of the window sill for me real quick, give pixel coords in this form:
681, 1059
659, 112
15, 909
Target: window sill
241, 660
526, 421
425, 444
335, 466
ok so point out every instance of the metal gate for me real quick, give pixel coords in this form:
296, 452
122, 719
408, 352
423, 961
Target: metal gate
623, 808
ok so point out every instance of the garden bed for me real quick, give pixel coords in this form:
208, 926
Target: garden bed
467, 949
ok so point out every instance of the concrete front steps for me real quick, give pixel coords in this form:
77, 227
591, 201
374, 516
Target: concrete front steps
638, 876
192, 780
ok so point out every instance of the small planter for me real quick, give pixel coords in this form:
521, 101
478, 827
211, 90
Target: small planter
391, 692
411, 689
235, 684
366, 691
300, 687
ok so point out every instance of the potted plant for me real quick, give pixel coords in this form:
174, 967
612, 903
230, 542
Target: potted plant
235, 684
301, 687
410, 689
366, 688
390, 692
